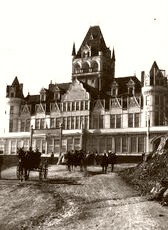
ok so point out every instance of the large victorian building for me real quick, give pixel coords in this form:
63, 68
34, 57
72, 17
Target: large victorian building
96, 111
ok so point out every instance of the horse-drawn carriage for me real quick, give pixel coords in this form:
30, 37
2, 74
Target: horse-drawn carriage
31, 161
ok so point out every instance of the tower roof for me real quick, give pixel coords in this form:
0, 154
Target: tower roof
95, 40
15, 82
154, 66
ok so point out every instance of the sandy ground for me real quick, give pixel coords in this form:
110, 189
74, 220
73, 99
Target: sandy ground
76, 200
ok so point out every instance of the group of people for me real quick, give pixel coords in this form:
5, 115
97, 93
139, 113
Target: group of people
83, 159
108, 158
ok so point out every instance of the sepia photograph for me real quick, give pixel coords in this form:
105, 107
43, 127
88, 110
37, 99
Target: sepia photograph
83, 115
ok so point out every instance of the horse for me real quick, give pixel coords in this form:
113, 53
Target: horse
112, 159
75, 158
28, 160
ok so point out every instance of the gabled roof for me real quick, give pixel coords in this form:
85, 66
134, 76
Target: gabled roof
95, 40
32, 99
64, 86
156, 71
123, 87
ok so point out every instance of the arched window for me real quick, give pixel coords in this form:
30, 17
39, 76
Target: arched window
94, 66
85, 67
77, 68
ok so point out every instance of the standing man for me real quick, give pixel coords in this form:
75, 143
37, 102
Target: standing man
112, 160
104, 162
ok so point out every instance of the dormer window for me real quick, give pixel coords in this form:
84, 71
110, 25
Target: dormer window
56, 95
114, 92
114, 89
86, 52
43, 95
131, 87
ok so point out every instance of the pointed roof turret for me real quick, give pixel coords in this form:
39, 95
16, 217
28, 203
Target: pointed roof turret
154, 66
15, 82
154, 69
113, 55
15, 88
74, 50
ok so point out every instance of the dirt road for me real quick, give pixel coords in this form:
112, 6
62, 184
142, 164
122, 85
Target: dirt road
76, 201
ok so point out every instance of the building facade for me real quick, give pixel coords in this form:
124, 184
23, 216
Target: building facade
96, 111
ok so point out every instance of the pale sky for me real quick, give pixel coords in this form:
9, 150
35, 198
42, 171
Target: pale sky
36, 38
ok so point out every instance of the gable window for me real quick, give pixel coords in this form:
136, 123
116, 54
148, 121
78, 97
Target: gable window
40, 108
